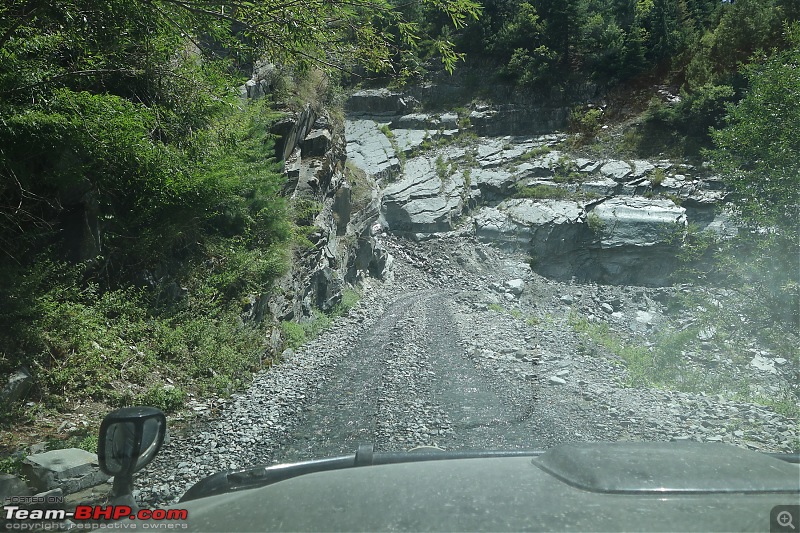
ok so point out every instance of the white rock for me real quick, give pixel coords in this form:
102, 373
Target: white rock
706, 334
515, 286
763, 364
557, 380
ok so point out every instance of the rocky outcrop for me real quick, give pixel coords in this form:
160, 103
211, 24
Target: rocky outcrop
515, 119
636, 240
424, 200
380, 102
522, 223
265, 76
604, 219
620, 240
343, 248
370, 150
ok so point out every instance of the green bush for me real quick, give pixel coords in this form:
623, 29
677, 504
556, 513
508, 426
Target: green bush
595, 223
657, 177
541, 192
168, 399
587, 123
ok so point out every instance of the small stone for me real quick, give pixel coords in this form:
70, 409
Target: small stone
706, 334
557, 380
515, 286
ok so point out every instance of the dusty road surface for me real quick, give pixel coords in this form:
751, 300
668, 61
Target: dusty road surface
462, 348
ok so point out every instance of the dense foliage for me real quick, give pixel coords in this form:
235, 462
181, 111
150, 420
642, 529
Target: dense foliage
589, 48
756, 152
541, 42
140, 197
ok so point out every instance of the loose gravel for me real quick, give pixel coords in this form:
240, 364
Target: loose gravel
462, 348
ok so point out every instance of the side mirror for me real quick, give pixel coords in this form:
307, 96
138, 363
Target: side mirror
129, 439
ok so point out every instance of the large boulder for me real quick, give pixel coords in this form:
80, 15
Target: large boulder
291, 131
639, 222
71, 469
622, 240
17, 386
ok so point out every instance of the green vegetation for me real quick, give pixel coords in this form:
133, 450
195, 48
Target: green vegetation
586, 123
360, 186
660, 365
390, 136
552, 192
441, 168
12, 465
664, 363
692, 49
541, 192
141, 208
387, 131
298, 333
657, 177
757, 269
595, 223
535, 152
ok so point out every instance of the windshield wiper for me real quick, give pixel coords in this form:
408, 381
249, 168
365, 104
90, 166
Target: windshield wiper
261, 476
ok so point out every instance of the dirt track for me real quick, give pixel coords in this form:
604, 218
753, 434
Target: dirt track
453, 352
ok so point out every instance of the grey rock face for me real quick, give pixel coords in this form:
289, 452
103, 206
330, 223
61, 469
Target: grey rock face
634, 231
616, 170
640, 222
512, 119
631, 239
380, 101
292, 130
422, 201
317, 143
524, 222
370, 150
636, 240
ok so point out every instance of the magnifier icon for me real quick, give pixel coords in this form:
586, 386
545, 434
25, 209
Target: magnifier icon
785, 519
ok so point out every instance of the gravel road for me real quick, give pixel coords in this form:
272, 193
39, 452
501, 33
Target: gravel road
462, 348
